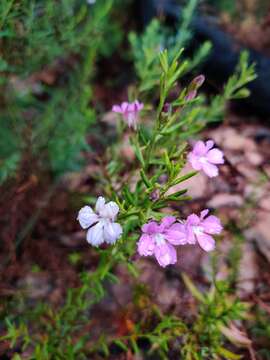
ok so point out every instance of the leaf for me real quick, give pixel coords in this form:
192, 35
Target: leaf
138, 154
145, 179
163, 58
228, 354
132, 269
236, 336
167, 161
177, 193
185, 177
129, 197
134, 345
241, 94
121, 344
192, 288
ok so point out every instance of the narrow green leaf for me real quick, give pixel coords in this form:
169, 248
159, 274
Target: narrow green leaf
134, 345
121, 344
192, 288
228, 354
139, 154
185, 177
145, 179
163, 58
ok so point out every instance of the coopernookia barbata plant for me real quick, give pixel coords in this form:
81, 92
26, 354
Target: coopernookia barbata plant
129, 219
161, 156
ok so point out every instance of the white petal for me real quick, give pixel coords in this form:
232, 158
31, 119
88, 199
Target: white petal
86, 217
95, 234
100, 204
112, 232
110, 211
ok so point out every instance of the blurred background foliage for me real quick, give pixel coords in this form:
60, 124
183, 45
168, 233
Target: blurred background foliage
47, 61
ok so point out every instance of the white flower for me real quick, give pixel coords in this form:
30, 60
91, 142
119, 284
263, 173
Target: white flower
101, 222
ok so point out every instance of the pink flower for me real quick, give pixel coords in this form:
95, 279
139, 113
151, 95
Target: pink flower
199, 229
130, 112
203, 157
158, 240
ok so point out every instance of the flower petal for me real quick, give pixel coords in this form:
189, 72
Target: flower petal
165, 254
125, 106
206, 242
176, 234
215, 156
210, 169
209, 144
191, 239
100, 204
132, 120
203, 213
112, 232
146, 245
199, 148
95, 234
86, 217
110, 210
139, 105
167, 221
150, 228
212, 225
193, 219
117, 109
194, 161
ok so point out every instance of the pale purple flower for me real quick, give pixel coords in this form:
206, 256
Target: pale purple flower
199, 229
101, 222
158, 240
130, 112
203, 157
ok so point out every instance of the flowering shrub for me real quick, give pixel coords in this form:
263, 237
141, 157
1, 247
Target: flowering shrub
161, 149
161, 126
162, 153
133, 222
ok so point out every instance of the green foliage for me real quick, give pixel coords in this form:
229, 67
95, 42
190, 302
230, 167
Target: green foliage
48, 53
261, 330
217, 309
146, 48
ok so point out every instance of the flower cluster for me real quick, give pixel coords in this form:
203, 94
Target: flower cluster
130, 112
159, 239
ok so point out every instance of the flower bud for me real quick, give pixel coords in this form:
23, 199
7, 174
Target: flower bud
191, 95
167, 108
155, 194
198, 81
